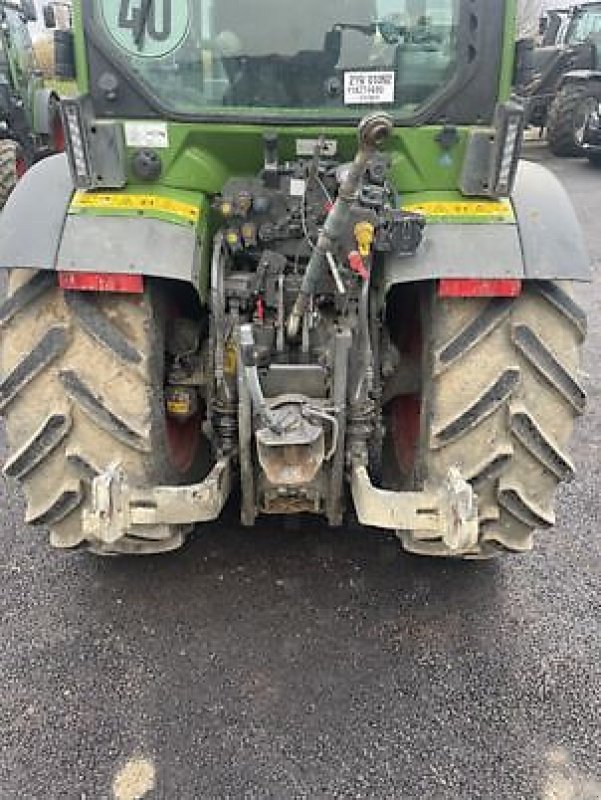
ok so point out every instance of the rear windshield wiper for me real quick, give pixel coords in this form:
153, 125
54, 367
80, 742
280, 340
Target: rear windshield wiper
142, 22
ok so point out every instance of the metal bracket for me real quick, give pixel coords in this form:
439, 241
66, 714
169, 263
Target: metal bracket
450, 514
118, 510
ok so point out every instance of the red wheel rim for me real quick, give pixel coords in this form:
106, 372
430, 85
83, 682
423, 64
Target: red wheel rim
406, 422
183, 437
406, 410
20, 167
183, 441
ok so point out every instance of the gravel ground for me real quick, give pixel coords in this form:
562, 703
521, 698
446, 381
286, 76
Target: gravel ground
300, 662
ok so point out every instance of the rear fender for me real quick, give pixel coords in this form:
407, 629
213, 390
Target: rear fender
39, 230
542, 240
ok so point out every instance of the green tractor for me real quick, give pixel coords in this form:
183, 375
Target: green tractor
291, 257
566, 82
30, 120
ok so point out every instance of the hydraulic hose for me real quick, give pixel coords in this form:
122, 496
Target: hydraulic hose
373, 131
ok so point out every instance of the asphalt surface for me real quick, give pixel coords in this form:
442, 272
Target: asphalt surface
296, 662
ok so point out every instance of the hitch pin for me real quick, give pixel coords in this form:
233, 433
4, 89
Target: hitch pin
335, 273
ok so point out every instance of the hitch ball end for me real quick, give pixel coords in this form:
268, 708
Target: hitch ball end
374, 129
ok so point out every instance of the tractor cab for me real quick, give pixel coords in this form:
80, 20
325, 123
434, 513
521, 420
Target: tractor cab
221, 55
320, 60
553, 26
584, 24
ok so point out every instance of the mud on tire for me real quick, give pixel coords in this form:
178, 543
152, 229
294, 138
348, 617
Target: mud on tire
81, 388
500, 392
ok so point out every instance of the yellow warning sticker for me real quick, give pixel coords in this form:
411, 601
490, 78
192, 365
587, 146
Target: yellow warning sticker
464, 208
135, 202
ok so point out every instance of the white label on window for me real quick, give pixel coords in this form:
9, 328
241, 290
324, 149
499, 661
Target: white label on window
306, 147
297, 187
368, 88
147, 134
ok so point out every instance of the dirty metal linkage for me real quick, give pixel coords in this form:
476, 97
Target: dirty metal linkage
450, 514
118, 510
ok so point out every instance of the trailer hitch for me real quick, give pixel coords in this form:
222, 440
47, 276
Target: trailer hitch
449, 514
118, 510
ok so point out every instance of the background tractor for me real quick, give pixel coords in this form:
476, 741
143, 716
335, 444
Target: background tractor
292, 250
566, 77
30, 121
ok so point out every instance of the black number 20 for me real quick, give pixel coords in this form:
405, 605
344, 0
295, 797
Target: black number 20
128, 19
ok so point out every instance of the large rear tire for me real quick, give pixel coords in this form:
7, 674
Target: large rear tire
8, 169
82, 388
566, 118
500, 390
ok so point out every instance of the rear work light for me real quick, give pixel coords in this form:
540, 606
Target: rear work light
95, 148
472, 287
101, 282
510, 130
76, 144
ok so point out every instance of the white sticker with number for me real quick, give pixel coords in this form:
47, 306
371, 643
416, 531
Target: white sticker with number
369, 88
147, 134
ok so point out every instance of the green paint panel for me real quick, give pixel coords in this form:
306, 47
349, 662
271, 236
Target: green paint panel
203, 157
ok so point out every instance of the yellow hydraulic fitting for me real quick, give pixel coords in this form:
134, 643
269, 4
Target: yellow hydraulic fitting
226, 209
232, 237
364, 234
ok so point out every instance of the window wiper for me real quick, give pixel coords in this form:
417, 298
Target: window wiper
142, 22
389, 31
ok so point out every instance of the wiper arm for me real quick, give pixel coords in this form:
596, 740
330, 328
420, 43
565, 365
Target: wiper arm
142, 22
368, 30
389, 31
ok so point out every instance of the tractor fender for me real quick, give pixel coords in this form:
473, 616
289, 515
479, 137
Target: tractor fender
33, 218
580, 76
88, 243
551, 236
42, 111
544, 240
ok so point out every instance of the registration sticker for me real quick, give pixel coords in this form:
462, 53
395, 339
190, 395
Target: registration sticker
369, 87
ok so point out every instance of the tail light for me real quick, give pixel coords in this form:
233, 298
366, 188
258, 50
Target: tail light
473, 287
101, 282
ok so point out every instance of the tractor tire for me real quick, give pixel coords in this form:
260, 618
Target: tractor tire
500, 391
565, 119
81, 389
8, 169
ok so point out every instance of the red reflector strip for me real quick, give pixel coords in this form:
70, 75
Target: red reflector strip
101, 282
469, 287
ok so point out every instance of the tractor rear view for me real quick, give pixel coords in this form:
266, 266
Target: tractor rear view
30, 122
292, 249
